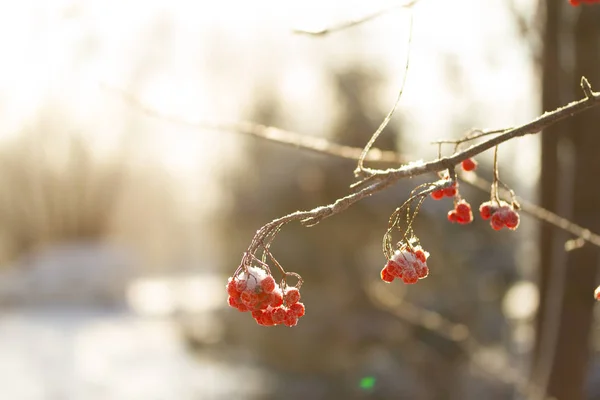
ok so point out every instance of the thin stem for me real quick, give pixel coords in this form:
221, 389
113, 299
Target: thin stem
494, 192
354, 22
360, 168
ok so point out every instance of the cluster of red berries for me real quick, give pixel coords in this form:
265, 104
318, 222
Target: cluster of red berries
446, 192
578, 2
461, 214
500, 215
256, 291
408, 264
468, 165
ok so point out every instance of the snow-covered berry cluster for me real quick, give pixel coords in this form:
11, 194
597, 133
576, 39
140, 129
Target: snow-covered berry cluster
461, 214
408, 264
500, 215
256, 291
469, 164
446, 192
578, 2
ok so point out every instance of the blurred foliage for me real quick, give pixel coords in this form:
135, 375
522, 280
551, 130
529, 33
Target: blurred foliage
59, 188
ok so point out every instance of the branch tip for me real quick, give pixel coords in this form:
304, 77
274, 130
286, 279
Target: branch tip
587, 88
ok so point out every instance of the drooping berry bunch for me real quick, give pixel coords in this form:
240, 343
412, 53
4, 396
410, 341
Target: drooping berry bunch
255, 290
409, 263
461, 214
578, 2
500, 214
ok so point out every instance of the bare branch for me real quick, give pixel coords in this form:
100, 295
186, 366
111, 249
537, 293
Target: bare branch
354, 22
269, 133
381, 179
535, 126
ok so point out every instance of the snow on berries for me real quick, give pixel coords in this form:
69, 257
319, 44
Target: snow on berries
500, 215
256, 291
461, 214
407, 264
469, 164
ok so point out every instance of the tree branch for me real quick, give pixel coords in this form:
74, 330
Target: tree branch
384, 178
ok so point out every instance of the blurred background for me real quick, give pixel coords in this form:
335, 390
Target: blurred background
118, 229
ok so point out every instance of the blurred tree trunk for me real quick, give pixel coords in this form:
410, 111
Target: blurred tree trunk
570, 166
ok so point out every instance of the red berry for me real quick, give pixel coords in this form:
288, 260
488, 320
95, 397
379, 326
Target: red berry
386, 275
232, 301
437, 194
452, 216
497, 222
450, 191
240, 285
512, 220
268, 284
292, 296
463, 212
277, 315
275, 299
469, 164
574, 2
298, 309
267, 319
421, 270
291, 319
463, 208
597, 293
410, 276
231, 288
485, 210
249, 299
421, 256
394, 268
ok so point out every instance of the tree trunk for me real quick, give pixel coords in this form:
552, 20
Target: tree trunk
570, 166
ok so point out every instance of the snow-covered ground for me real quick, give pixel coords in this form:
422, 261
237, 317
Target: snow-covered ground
76, 323
84, 354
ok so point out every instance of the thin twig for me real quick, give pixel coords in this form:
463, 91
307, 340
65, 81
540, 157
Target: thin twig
360, 167
269, 133
354, 22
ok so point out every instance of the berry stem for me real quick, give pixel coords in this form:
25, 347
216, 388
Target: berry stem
494, 192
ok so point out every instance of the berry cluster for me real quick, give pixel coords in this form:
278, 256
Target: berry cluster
469, 164
461, 214
446, 192
256, 291
500, 215
578, 2
408, 264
